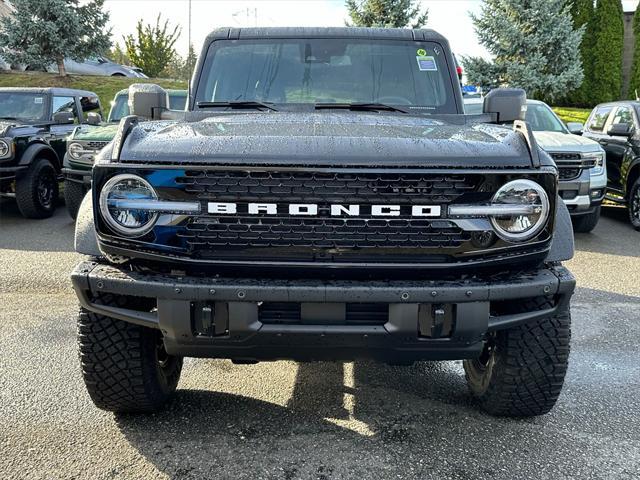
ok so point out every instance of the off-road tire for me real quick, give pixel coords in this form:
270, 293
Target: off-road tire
74, 192
522, 369
122, 365
37, 190
586, 223
634, 204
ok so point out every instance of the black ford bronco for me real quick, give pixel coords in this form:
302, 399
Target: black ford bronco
324, 197
34, 125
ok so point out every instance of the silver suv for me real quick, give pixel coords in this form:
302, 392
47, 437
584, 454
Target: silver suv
580, 161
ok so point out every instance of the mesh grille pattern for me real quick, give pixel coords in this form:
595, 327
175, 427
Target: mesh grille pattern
330, 187
568, 173
323, 231
566, 156
96, 145
570, 165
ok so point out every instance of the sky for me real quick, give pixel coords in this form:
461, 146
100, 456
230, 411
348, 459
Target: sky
448, 17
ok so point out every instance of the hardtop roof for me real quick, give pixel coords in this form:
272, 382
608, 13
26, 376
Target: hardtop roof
325, 32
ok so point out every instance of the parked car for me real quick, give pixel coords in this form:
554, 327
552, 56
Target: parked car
95, 66
615, 126
87, 140
473, 102
324, 197
580, 161
34, 126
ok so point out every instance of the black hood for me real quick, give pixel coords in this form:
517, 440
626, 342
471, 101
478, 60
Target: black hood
6, 125
17, 127
344, 138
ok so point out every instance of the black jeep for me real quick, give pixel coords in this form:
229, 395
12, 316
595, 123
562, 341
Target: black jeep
325, 197
34, 125
615, 126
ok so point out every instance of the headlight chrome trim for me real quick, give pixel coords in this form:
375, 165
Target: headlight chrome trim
106, 214
76, 150
6, 149
544, 213
495, 210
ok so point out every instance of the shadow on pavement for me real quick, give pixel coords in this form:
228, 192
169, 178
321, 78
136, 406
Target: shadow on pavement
613, 235
53, 234
346, 414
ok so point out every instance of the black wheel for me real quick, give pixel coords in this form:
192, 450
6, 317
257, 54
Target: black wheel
586, 223
125, 366
37, 190
521, 370
634, 204
74, 192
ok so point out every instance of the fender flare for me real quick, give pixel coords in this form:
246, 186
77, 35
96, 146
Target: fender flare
562, 246
35, 150
633, 166
86, 241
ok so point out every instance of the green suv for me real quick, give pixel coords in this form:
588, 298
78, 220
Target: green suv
87, 140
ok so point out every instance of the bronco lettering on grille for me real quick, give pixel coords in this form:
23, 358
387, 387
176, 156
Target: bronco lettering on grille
312, 209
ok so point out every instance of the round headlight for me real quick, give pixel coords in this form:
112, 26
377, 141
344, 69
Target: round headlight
4, 149
115, 194
75, 150
518, 227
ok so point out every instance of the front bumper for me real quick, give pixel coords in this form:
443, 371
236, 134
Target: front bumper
77, 175
583, 194
244, 336
8, 174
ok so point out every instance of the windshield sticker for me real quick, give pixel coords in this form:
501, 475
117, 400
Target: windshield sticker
37, 100
421, 52
427, 63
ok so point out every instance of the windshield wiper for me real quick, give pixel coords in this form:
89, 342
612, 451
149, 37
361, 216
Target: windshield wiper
238, 104
365, 106
8, 118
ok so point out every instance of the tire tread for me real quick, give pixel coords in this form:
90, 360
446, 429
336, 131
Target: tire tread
529, 373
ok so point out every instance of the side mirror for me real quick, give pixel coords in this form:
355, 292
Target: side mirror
147, 100
575, 127
94, 118
63, 118
508, 104
620, 130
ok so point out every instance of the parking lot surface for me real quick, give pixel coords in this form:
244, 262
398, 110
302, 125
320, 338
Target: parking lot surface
284, 420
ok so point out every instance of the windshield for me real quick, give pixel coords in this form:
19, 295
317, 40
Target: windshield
310, 71
119, 108
22, 106
542, 119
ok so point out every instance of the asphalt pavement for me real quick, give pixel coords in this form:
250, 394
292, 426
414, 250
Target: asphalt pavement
284, 420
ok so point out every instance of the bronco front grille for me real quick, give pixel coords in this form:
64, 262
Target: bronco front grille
96, 145
323, 232
330, 187
283, 231
322, 237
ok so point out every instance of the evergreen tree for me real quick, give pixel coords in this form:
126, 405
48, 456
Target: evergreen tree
534, 44
190, 63
386, 13
180, 68
634, 85
608, 43
583, 15
153, 48
45, 32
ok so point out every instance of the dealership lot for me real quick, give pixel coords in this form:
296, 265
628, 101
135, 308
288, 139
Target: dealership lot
323, 420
